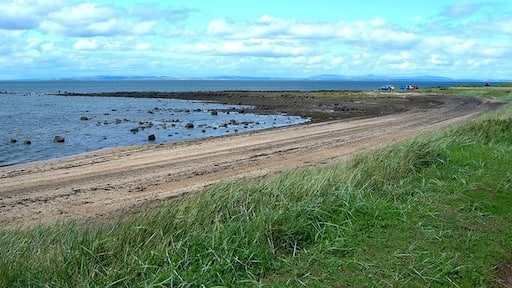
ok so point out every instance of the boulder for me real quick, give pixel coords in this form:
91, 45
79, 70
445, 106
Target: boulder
152, 137
189, 125
13, 140
84, 118
59, 139
27, 142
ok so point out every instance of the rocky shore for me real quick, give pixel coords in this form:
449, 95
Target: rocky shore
320, 106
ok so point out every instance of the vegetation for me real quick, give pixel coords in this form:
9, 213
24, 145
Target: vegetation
431, 211
502, 91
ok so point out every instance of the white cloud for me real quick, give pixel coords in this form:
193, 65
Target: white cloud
220, 27
438, 59
85, 44
316, 60
497, 51
48, 46
144, 27
404, 66
267, 26
84, 19
84, 14
25, 14
249, 47
142, 46
505, 26
395, 57
337, 60
461, 39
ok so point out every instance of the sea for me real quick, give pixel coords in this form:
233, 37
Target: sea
32, 115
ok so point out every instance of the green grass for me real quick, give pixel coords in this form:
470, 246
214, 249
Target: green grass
502, 92
434, 211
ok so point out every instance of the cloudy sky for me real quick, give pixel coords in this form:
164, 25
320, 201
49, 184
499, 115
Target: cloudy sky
269, 38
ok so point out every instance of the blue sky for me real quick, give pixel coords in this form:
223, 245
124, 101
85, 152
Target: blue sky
267, 38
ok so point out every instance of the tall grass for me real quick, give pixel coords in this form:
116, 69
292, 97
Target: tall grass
431, 211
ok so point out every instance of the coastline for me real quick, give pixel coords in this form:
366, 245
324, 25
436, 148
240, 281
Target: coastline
104, 185
319, 106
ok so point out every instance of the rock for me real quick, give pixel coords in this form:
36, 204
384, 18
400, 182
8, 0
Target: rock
58, 139
134, 130
189, 126
215, 113
13, 140
84, 118
152, 137
27, 142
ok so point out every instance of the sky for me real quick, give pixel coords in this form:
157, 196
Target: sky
48, 39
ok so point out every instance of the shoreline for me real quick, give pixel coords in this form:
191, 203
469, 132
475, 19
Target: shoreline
106, 185
319, 106
92, 123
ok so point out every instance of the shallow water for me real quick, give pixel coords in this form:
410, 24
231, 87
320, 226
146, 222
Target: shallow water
112, 122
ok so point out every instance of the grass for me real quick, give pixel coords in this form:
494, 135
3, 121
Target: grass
433, 211
502, 91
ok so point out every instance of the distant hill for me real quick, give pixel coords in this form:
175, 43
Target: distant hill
322, 77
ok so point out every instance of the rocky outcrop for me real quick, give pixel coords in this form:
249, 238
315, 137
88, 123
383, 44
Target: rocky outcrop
59, 139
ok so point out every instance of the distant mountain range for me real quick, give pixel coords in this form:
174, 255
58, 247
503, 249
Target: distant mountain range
323, 77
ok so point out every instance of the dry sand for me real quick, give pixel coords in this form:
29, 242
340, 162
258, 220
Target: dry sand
104, 185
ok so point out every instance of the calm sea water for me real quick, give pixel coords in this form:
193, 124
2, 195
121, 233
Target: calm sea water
28, 112
202, 85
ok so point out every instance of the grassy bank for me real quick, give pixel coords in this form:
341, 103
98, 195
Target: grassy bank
502, 92
431, 211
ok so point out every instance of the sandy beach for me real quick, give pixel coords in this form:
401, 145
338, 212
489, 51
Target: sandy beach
112, 183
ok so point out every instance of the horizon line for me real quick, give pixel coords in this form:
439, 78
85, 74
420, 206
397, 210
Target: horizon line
320, 77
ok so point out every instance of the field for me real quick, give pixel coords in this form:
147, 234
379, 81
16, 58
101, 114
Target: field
431, 210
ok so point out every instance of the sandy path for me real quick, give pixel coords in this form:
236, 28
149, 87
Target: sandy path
107, 183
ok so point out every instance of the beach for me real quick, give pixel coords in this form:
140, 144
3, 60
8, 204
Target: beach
105, 185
